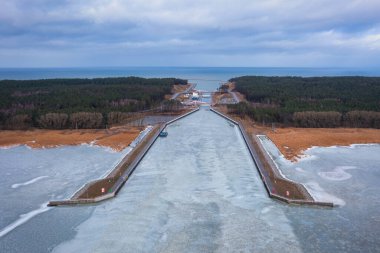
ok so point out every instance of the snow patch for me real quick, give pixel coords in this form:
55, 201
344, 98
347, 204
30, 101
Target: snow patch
24, 218
306, 157
299, 169
10, 146
141, 136
266, 209
32, 181
319, 194
337, 174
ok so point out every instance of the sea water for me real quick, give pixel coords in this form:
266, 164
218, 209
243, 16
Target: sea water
206, 78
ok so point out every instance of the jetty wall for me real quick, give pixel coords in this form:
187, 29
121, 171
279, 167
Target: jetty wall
115, 181
260, 161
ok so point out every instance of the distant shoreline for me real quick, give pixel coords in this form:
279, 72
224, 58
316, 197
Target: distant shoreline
223, 73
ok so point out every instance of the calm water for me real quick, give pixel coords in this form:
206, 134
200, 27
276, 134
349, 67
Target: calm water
206, 78
198, 191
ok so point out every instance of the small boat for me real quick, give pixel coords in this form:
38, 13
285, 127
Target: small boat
163, 134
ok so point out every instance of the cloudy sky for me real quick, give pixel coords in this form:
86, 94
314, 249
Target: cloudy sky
274, 33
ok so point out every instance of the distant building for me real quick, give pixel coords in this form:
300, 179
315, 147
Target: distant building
195, 96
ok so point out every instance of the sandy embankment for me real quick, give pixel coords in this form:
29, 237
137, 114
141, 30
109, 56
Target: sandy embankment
292, 142
115, 138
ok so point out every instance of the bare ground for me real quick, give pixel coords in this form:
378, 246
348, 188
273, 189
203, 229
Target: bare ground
115, 138
292, 142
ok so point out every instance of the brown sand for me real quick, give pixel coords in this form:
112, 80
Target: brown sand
292, 142
115, 138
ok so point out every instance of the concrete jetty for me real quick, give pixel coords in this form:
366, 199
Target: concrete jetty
270, 186
108, 187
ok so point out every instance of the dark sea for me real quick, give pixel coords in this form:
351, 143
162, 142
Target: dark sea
208, 78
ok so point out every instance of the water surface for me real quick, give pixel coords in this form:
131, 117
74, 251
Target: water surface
207, 78
196, 190
347, 176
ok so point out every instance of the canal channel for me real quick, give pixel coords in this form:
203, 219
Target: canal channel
196, 190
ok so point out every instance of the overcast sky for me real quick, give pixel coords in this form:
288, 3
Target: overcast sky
257, 33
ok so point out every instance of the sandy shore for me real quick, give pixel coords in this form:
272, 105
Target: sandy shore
292, 142
115, 138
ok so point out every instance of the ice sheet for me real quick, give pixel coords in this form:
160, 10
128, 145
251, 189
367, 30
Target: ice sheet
197, 190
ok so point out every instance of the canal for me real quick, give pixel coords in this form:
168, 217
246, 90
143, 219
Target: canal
197, 190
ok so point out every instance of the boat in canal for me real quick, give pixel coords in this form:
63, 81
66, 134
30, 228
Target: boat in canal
163, 134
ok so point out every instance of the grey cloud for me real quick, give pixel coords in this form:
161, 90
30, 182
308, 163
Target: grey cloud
130, 31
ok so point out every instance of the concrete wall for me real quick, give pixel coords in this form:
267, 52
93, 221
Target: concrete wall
269, 186
118, 183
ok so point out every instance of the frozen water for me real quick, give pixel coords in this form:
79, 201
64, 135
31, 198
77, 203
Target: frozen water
320, 194
337, 174
31, 177
195, 191
347, 176
24, 218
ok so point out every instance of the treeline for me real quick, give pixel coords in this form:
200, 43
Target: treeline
358, 119
79, 103
296, 94
309, 119
310, 102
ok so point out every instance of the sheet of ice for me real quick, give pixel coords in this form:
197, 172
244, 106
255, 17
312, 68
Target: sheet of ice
283, 165
195, 191
320, 194
24, 218
31, 177
347, 176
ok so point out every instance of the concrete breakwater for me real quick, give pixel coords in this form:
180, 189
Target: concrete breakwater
108, 187
275, 184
